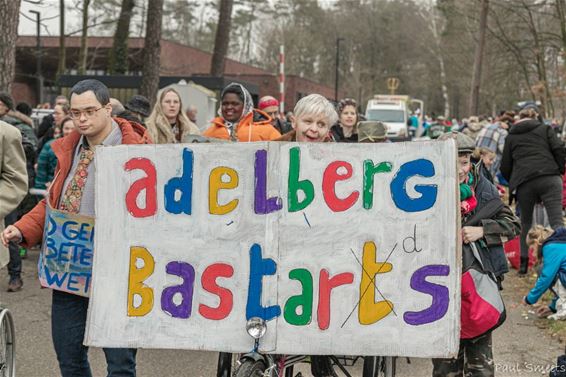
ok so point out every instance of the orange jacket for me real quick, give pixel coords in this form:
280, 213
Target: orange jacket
31, 225
248, 129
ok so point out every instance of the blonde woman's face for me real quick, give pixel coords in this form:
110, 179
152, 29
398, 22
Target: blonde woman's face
171, 105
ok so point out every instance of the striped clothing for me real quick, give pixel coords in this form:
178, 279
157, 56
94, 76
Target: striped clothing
493, 137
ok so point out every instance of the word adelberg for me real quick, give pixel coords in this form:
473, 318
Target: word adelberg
298, 310
335, 172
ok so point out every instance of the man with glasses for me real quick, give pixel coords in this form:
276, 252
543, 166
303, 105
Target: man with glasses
72, 195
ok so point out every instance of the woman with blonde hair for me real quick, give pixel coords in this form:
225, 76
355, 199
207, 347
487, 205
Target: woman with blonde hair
168, 123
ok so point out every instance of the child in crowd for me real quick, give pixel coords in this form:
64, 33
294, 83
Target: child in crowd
551, 250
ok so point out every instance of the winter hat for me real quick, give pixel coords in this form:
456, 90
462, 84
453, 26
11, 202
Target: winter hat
138, 104
268, 104
464, 143
7, 100
528, 105
372, 131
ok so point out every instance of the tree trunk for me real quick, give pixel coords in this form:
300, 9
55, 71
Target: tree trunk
222, 39
8, 36
118, 62
436, 35
546, 98
476, 76
83, 52
561, 11
152, 50
62, 52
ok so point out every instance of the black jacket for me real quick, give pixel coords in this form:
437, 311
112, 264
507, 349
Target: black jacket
500, 226
531, 150
338, 135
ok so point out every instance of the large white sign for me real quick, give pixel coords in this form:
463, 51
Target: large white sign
348, 249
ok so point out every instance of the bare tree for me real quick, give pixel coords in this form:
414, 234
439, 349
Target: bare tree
561, 12
436, 31
222, 39
83, 52
62, 52
8, 36
152, 50
118, 62
478, 59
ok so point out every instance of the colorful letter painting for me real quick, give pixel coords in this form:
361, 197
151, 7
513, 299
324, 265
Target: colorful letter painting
341, 248
65, 261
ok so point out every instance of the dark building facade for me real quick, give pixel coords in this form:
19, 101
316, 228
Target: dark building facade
177, 62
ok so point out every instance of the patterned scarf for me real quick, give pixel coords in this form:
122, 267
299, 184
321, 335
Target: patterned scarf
468, 201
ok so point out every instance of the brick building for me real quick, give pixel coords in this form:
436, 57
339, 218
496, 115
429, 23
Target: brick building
177, 61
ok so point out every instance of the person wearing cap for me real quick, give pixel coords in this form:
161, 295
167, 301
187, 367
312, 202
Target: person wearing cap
139, 107
345, 131
237, 119
270, 106
372, 132
533, 162
478, 197
167, 123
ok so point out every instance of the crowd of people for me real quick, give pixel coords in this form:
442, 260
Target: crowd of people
55, 160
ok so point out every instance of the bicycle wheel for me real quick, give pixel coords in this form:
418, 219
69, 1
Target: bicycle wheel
250, 368
226, 364
371, 366
7, 345
389, 366
378, 366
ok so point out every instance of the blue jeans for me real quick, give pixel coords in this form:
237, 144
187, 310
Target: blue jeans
68, 321
15, 264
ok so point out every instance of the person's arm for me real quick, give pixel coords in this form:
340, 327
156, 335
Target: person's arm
506, 166
557, 148
550, 267
13, 172
501, 227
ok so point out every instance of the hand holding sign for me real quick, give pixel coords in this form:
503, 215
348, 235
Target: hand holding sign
11, 234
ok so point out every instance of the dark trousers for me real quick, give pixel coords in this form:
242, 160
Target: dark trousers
68, 321
548, 190
475, 359
15, 264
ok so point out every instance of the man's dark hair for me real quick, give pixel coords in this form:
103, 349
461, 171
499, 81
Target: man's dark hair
24, 108
7, 100
99, 89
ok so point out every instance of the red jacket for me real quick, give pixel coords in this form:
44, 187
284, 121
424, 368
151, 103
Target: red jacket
31, 225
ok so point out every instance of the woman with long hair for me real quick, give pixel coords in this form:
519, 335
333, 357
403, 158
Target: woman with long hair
168, 123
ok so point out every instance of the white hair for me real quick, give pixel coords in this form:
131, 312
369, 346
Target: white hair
315, 104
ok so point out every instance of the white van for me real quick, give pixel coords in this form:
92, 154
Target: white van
393, 111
